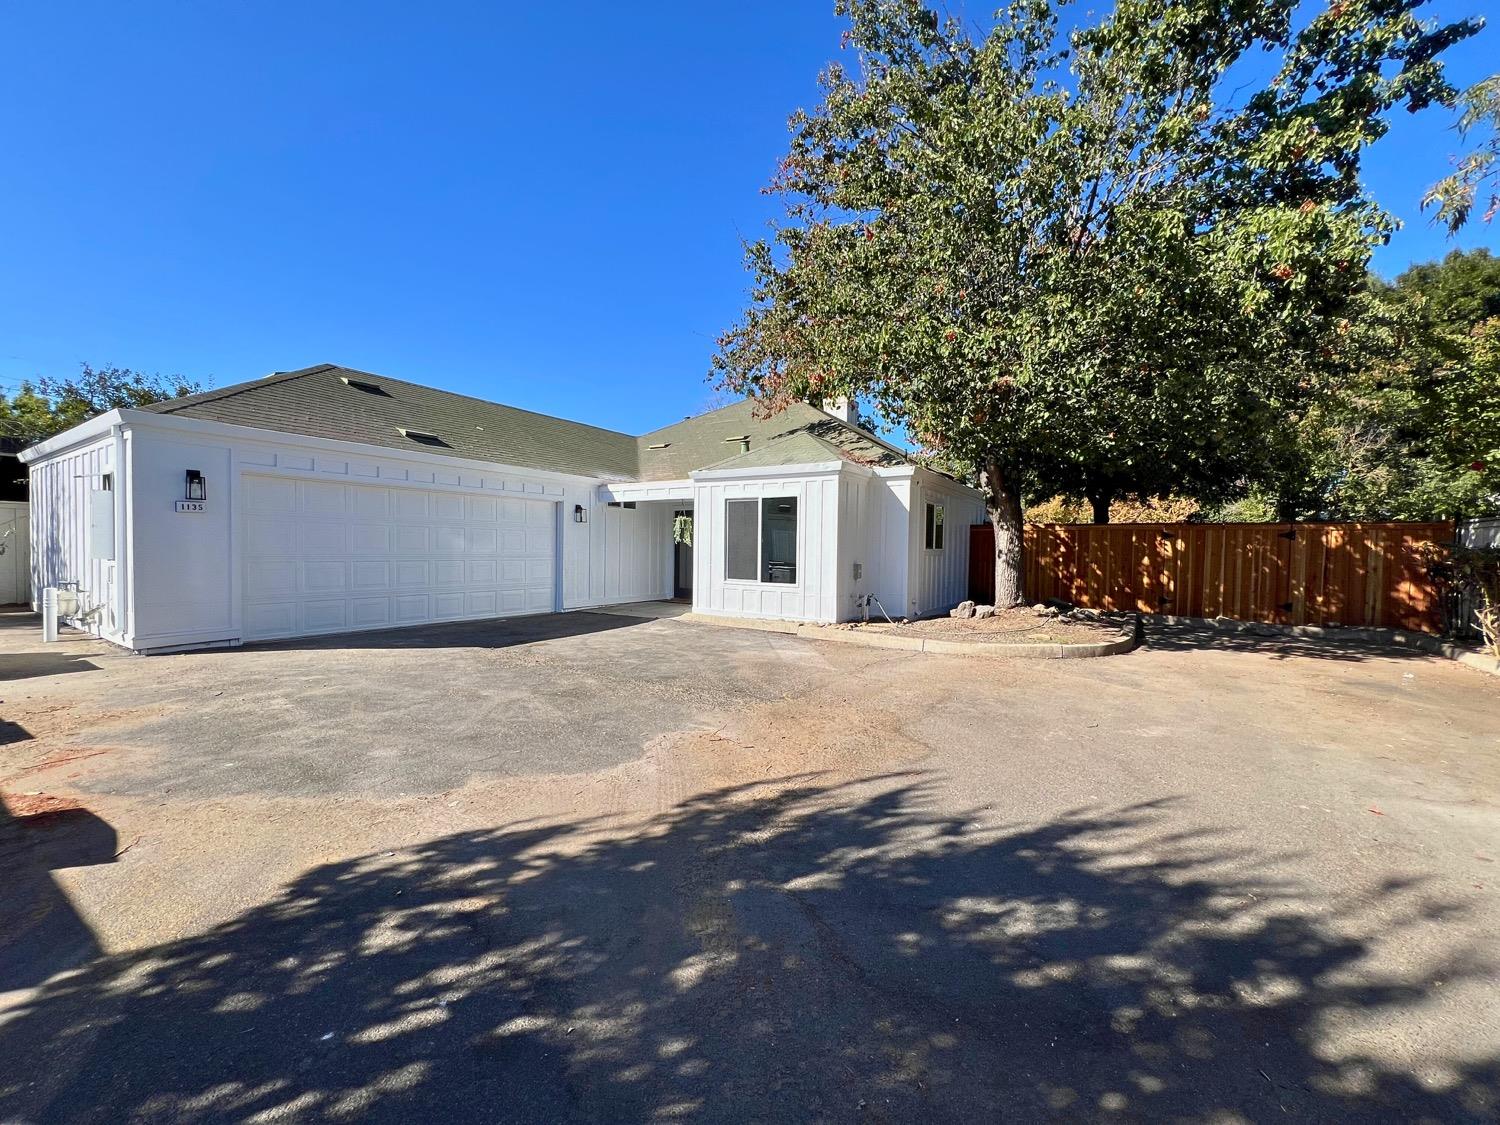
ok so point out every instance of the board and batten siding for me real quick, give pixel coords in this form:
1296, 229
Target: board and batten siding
15, 552
814, 596
940, 578
60, 554
632, 552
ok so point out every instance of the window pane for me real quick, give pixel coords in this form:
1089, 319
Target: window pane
778, 538
937, 527
927, 540
740, 547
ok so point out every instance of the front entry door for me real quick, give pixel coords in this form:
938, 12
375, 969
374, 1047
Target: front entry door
682, 564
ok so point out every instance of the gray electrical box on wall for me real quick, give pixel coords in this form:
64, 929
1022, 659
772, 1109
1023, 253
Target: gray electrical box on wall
101, 524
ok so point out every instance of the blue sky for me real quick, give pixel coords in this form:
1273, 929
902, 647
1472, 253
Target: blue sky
531, 204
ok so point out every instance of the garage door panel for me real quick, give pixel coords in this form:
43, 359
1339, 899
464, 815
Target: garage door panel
370, 502
368, 612
412, 540
322, 557
271, 578
325, 615
370, 539
409, 505
268, 537
271, 620
413, 609
267, 494
324, 577
370, 574
321, 538
412, 573
316, 497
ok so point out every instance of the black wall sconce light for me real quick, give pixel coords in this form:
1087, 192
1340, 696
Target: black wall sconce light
196, 489
580, 514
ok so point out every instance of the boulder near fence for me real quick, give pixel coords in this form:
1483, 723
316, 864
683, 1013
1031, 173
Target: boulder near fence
1349, 574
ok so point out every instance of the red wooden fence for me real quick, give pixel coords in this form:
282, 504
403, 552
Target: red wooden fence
1351, 574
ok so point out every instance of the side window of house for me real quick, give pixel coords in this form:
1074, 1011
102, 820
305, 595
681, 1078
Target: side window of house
934, 527
741, 549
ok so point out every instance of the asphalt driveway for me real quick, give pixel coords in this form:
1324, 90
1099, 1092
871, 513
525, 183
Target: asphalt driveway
596, 867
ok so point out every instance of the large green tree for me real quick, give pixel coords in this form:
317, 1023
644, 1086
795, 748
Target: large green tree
1413, 431
1110, 258
47, 406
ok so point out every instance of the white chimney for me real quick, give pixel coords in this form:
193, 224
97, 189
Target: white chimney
844, 409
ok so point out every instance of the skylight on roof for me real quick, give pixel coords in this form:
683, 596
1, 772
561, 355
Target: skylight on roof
420, 436
362, 385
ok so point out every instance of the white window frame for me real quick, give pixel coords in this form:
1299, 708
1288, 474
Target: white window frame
935, 509
760, 530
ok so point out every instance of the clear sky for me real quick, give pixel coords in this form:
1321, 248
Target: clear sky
532, 203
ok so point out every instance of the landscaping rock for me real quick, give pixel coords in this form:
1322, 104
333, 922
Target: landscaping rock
963, 609
1062, 605
982, 611
1080, 613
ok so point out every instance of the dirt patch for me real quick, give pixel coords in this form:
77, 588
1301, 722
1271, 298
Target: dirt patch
1008, 626
37, 810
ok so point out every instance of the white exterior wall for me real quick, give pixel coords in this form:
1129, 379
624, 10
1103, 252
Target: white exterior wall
940, 579
185, 586
15, 557
632, 550
815, 594
874, 523
60, 538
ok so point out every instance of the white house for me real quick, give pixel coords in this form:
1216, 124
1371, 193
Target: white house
327, 500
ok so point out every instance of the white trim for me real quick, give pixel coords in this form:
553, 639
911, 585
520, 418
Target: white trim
619, 491
777, 472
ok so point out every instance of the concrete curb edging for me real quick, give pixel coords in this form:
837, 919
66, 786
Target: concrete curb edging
1128, 639
1425, 642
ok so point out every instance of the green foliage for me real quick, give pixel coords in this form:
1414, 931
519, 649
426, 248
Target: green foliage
1081, 260
1471, 573
49, 406
1414, 431
1476, 178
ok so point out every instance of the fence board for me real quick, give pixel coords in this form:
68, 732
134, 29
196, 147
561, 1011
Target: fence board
1352, 574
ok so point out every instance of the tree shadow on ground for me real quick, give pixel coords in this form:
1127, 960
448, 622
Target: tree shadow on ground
803, 952
1182, 637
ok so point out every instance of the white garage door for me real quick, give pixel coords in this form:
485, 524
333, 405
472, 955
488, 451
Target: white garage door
326, 557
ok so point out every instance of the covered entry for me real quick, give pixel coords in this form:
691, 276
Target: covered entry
326, 557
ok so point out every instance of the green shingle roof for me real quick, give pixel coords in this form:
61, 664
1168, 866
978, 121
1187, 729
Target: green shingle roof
343, 404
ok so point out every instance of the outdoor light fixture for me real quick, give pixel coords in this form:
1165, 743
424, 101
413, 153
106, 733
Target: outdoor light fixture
580, 514
195, 487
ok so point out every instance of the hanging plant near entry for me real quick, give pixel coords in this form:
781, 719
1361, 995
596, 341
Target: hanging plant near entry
682, 530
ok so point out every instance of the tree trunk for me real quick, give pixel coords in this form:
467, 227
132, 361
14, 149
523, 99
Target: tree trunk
1100, 502
1002, 498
